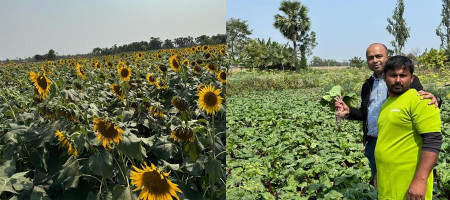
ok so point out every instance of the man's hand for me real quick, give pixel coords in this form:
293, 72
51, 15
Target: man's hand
417, 190
427, 95
345, 109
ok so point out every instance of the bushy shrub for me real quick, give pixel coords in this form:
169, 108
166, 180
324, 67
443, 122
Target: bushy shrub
434, 59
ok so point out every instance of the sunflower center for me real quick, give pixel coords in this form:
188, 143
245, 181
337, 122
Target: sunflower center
176, 65
118, 90
163, 68
151, 79
124, 72
153, 182
42, 82
223, 76
107, 130
210, 99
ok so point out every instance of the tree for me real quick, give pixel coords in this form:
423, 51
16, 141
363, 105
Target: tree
51, 55
356, 62
38, 57
155, 43
200, 40
397, 28
237, 32
443, 30
168, 44
97, 51
295, 26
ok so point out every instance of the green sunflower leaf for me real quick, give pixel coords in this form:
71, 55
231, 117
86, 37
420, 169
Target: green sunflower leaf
101, 164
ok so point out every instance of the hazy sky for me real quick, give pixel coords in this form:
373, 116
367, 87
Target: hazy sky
29, 27
345, 28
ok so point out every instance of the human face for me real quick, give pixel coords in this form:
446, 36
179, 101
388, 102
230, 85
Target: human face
398, 81
376, 56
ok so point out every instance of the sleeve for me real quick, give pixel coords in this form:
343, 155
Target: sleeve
357, 113
416, 84
432, 142
426, 119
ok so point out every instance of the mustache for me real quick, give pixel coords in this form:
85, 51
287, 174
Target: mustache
397, 84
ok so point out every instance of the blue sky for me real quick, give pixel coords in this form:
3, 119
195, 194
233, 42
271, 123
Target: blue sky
30, 27
345, 28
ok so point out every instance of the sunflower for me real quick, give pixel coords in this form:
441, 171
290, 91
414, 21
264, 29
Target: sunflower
200, 87
161, 84
120, 64
205, 47
180, 104
66, 143
162, 68
118, 91
153, 183
124, 73
209, 99
183, 135
186, 62
81, 72
174, 63
222, 76
48, 113
155, 111
197, 69
207, 55
151, 79
139, 55
212, 67
107, 132
41, 84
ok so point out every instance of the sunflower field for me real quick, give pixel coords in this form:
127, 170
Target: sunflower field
143, 125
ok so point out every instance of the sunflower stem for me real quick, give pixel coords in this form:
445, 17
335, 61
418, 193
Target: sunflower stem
120, 167
213, 135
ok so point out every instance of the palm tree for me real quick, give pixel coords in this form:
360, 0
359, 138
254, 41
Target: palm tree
294, 25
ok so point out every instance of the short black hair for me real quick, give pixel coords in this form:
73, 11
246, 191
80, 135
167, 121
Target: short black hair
396, 62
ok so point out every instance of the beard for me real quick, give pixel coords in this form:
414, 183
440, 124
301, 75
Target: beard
397, 89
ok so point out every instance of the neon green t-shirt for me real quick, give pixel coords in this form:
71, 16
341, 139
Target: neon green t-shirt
398, 149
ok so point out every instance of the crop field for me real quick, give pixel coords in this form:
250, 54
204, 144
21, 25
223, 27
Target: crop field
283, 144
142, 124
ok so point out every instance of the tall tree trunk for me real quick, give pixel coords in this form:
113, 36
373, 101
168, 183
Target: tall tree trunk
295, 56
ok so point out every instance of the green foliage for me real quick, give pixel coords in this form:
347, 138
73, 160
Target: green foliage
294, 24
443, 30
397, 27
260, 54
237, 32
283, 144
357, 62
434, 59
330, 97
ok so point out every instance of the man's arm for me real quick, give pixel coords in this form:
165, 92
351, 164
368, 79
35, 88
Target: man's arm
418, 186
430, 151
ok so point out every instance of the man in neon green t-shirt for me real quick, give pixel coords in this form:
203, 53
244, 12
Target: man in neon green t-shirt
409, 137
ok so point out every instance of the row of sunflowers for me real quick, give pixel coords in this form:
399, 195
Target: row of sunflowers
145, 125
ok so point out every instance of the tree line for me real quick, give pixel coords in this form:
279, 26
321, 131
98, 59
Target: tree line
156, 43
153, 44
